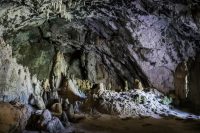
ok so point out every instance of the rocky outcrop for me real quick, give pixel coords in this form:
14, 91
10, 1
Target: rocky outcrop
15, 81
71, 91
181, 81
43, 120
136, 103
107, 41
13, 118
69, 47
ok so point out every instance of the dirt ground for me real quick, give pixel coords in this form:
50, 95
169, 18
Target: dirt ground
111, 124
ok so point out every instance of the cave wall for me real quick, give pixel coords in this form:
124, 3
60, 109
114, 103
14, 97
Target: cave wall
194, 84
15, 80
108, 41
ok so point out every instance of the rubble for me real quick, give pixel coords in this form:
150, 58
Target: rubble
136, 103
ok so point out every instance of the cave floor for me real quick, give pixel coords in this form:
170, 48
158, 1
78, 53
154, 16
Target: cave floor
112, 124
108, 124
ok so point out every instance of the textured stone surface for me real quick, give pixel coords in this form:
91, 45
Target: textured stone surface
194, 84
13, 118
32, 51
113, 41
45, 122
136, 103
49, 123
15, 81
181, 81
71, 91
105, 41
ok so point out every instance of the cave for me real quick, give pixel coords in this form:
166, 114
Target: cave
99, 66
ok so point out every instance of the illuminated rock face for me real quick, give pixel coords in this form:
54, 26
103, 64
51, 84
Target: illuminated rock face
104, 41
136, 103
16, 83
15, 79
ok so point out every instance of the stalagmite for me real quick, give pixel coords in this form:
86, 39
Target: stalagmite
181, 81
126, 86
47, 14
138, 84
60, 6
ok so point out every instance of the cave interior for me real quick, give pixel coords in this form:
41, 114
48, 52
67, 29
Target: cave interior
99, 66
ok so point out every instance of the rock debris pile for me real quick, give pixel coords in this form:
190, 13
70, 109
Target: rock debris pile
138, 103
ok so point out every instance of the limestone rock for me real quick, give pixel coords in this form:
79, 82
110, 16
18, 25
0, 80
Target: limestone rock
126, 86
73, 117
13, 118
11, 14
125, 39
15, 79
136, 103
71, 91
36, 98
101, 88
84, 85
39, 102
181, 81
55, 125
56, 109
58, 71
138, 85
46, 85
46, 115
194, 91
49, 123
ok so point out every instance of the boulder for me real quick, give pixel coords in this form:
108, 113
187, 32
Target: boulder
56, 109
49, 123
73, 117
13, 118
55, 126
37, 101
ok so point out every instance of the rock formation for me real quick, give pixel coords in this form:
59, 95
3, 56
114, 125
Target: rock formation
15, 81
136, 103
13, 117
181, 81
113, 52
193, 86
146, 36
